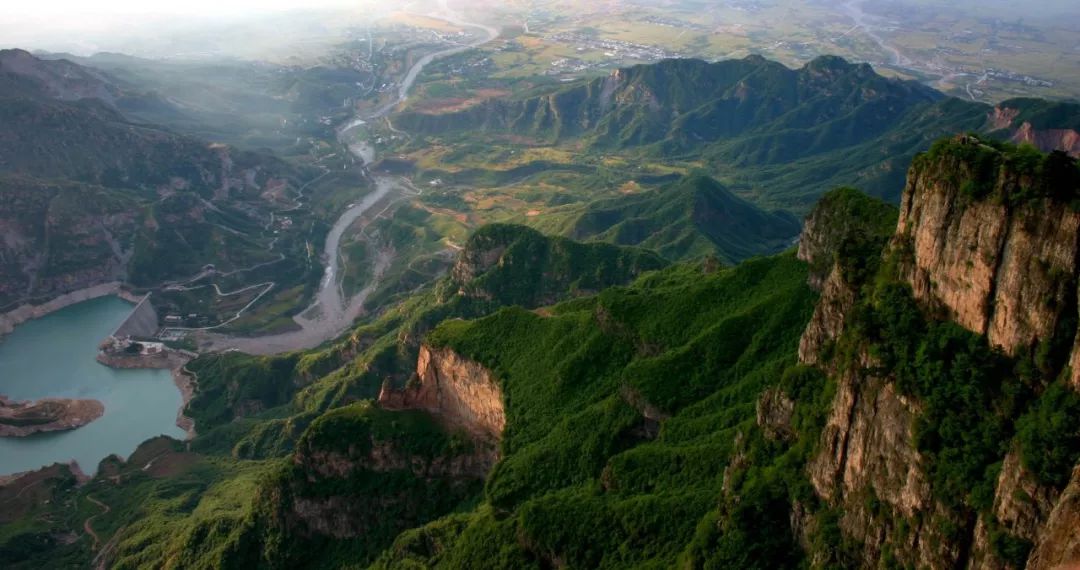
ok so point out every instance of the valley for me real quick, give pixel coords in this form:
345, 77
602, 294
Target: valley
544, 284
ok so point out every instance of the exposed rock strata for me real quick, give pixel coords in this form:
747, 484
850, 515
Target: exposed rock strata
1006, 272
868, 452
1002, 268
774, 412
827, 323
1059, 543
458, 392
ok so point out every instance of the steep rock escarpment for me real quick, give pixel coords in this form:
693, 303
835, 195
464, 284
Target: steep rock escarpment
1059, 544
459, 393
868, 464
363, 472
827, 323
999, 269
1047, 125
992, 246
845, 225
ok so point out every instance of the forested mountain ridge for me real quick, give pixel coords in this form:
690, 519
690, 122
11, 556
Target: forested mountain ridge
91, 196
782, 135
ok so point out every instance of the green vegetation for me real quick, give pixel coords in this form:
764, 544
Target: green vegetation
969, 393
985, 169
849, 229
499, 265
690, 218
587, 478
514, 265
638, 394
778, 136
1049, 434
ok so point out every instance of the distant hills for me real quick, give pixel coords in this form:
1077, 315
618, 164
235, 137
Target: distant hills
782, 135
689, 218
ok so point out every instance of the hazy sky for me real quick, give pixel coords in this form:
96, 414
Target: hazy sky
139, 26
69, 8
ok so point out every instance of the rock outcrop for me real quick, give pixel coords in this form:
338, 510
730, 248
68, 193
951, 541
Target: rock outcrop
1047, 125
827, 323
774, 412
845, 223
868, 464
1004, 270
459, 393
1001, 260
1059, 543
20, 419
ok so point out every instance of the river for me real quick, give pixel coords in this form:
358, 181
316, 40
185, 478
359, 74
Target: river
330, 314
54, 356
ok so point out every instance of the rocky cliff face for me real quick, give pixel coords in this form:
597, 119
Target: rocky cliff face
845, 223
1059, 543
1000, 260
460, 393
1048, 125
1006, 271
869, 466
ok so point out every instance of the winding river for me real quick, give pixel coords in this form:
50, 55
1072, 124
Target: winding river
331, 314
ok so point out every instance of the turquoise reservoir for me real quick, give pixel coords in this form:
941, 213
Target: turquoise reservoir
54, 357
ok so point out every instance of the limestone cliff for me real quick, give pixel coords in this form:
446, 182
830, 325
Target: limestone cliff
1007, 270
993, 246
1047, 125
460, 393
844, 226
1059, 543
361, 471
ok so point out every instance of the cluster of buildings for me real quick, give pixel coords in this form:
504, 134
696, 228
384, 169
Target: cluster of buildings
612, 48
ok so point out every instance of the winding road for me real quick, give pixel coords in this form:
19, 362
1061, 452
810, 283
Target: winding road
330, 314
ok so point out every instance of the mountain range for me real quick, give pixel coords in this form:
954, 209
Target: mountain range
666, 378
782, 136
91, 196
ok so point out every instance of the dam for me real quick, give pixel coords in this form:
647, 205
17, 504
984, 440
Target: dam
142, 323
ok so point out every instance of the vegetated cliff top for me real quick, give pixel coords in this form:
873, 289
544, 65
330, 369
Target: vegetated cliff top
987, 169
845, 226
953, 354
517, 265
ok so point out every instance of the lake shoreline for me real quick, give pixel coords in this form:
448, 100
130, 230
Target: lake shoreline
28, 311
173, 360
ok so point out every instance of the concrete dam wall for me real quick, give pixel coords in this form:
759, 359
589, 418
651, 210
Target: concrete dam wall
141, 323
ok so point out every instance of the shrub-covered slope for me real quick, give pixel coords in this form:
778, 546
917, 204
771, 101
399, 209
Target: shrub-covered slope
690, 218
